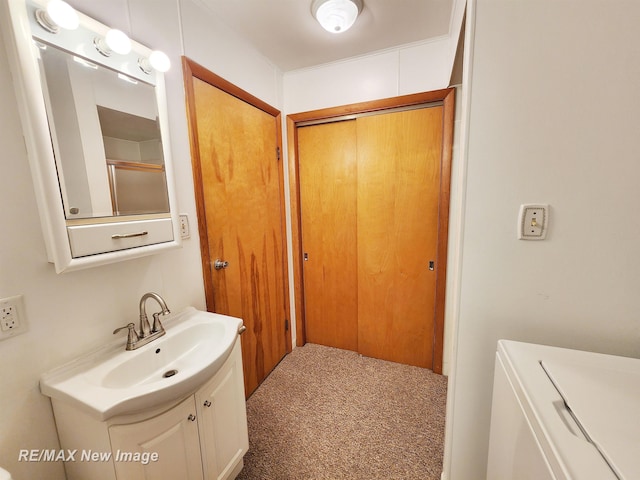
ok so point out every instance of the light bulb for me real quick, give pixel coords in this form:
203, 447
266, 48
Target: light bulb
159, 61
63, 14
57, 14
113, 41
118, 41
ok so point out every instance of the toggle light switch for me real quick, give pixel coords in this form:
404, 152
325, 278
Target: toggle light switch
533, 221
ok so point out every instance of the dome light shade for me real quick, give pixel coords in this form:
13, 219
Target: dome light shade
336, 16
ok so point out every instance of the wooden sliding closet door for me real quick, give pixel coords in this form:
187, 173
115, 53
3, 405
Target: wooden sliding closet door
329, 232
369, 196
398, 191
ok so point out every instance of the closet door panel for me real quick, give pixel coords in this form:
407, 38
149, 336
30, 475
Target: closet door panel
328, 180
397, 195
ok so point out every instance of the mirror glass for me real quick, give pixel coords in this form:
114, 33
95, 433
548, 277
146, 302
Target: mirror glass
106, 137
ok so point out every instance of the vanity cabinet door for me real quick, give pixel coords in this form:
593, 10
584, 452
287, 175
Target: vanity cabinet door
222, 419
173, 435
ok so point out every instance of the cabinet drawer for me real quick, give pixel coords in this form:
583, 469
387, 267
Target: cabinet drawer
110, 237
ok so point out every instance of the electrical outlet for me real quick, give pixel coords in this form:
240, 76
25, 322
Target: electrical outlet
184, 226
8, 318
12, 318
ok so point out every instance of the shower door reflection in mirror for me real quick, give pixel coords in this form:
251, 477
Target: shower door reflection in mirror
106, 138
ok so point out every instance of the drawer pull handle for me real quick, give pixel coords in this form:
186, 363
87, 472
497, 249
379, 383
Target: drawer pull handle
118, 236
207, 403
191, 417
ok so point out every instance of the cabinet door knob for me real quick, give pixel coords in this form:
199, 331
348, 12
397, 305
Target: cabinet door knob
191, 417
207, 403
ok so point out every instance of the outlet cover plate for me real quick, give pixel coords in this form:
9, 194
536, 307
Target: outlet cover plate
13, 320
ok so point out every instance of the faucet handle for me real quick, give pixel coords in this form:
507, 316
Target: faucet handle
157, 325
132, 336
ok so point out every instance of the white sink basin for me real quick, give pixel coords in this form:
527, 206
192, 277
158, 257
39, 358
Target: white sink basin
112, 381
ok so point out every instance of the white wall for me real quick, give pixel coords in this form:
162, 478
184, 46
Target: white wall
554, 117
71, 313
419, 67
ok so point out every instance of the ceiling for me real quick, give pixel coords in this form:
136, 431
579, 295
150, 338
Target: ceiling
286, 33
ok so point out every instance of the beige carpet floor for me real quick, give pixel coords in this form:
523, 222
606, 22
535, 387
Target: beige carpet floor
326, 413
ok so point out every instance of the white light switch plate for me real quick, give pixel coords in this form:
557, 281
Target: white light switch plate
533, 221
184, 226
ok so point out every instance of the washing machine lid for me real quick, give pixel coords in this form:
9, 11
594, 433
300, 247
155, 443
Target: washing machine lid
605, 402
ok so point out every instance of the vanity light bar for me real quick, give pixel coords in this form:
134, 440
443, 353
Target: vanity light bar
58, 14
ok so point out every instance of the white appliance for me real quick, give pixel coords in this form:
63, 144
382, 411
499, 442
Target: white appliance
564, 414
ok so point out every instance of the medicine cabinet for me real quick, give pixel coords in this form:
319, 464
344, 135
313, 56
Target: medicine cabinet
96, 130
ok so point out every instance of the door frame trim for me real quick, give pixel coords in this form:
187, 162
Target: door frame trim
192, 70
447, 97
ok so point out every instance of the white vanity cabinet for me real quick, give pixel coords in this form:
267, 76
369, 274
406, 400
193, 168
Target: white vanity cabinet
222, 421
202, 437
173, 436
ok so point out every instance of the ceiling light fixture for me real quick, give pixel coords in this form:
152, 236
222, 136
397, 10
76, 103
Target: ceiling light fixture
56, 15
336, 16
114, 41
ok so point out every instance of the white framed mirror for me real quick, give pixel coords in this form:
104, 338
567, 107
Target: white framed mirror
97, 137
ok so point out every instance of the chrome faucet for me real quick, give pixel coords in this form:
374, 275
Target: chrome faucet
144, 322
146, 333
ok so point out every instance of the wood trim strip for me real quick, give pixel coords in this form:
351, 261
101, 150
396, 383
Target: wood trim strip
371, 106
296, 229
448, 123
283, 223
144, 167
188, 75
211, 78
447, 96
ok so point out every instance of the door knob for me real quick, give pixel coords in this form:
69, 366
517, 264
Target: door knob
220, 264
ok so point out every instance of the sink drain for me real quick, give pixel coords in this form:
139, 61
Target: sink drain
169, 373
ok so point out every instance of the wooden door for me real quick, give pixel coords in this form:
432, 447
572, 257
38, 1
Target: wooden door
398, 192
369, 209
329, 233
239, 190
